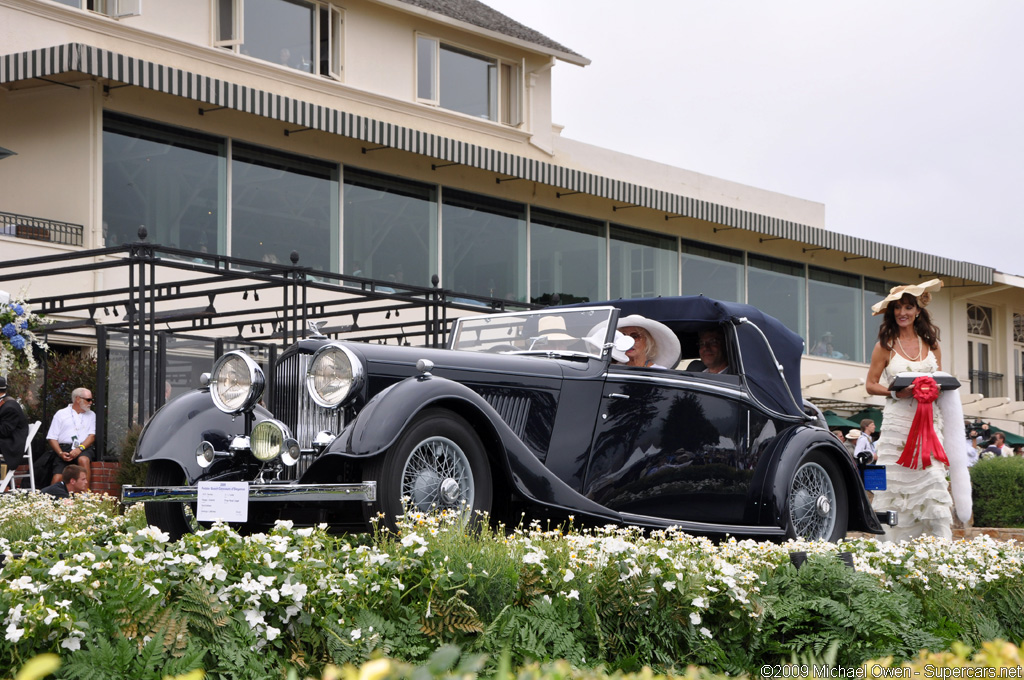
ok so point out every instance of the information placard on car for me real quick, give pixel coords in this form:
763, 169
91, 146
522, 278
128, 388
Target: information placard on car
223, 502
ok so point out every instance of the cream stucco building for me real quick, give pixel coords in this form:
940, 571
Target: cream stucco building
402, 139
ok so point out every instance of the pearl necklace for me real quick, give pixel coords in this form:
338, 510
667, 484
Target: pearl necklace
906, 353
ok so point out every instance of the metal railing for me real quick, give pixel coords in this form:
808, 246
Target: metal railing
41, 229
987, 383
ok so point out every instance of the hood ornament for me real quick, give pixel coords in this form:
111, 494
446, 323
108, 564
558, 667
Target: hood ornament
315, 326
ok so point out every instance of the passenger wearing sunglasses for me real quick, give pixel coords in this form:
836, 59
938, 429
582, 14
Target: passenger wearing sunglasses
71, 435
654, 343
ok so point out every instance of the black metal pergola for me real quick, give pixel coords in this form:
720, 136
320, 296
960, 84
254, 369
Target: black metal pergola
151, 305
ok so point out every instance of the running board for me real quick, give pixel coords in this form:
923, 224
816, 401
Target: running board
702, 528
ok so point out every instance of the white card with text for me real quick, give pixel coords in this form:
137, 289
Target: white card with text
223, 502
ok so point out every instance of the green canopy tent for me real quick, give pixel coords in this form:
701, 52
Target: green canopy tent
872, 413
838, 422
1011, 439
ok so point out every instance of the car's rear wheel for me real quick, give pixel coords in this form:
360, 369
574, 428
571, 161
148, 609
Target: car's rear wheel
177, 519
818, 507
437, 464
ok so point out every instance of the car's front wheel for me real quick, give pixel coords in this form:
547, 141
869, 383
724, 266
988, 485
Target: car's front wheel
437, 464
817, 506
177, 519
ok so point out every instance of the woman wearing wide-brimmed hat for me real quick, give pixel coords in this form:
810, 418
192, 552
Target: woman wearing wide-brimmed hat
654, 343
908, 341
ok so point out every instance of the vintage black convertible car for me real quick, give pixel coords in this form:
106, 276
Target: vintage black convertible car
504, 421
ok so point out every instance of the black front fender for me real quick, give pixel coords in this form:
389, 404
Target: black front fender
174, 431
386, 416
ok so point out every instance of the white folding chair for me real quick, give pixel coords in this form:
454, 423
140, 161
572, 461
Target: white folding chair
31, 474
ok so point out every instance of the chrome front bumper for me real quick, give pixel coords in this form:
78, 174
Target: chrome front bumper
366, 491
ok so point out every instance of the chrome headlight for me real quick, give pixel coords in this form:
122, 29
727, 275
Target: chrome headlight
236, 382
334, 374
272, 438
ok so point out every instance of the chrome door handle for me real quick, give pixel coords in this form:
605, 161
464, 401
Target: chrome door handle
617, 395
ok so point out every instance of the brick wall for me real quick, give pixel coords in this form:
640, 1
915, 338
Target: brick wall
104, 479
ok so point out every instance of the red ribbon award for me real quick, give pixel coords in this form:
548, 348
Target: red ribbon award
922, 441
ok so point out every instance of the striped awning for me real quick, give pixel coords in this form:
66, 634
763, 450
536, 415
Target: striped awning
93, 61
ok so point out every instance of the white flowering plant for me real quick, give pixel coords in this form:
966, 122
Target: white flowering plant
18, 326
248, 606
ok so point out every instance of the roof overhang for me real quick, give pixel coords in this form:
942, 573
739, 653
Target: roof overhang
50, 62
568, 57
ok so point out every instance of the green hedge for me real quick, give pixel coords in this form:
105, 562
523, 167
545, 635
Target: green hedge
997, 485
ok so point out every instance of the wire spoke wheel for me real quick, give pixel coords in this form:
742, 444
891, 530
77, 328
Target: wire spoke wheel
817, 507
437, 465
438, 476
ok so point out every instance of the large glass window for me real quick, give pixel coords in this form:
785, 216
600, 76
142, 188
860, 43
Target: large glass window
776, 287
461, 80
169, 180
390, 228
874, 292
712, 271
979, 347
483, 245
306, 36
567, 257
836, 325
642, 264
281, 203
1018, 354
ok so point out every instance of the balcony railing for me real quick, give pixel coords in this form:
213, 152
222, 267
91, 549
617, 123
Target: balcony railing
987, 383
40, 229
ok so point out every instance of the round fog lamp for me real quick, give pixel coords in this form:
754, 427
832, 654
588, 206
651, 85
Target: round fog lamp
269, 439
205, 454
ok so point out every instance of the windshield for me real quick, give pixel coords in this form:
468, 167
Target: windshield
561, 332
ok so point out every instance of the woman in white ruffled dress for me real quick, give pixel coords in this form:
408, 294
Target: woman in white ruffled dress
908, 341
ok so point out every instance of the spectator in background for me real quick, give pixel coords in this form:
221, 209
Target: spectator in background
853, 437
13, 428
865, 441
840, 436
72, 434
999, 440
74, 480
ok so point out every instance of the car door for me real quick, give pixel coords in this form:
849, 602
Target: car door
673, 446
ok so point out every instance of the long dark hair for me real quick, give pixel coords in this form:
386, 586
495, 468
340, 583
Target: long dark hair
923, 325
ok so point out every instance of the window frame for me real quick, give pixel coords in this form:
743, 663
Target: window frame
511, 114
115, 9
335, 33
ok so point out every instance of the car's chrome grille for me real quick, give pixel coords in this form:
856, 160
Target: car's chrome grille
293, 406
513, 410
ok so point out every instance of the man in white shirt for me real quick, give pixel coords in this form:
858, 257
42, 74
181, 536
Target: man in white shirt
72, 433
865, 441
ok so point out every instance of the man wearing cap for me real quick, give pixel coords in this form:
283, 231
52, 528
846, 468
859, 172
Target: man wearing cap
71, 435
13, 428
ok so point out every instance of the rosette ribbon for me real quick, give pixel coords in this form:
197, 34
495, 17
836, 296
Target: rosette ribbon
922, 441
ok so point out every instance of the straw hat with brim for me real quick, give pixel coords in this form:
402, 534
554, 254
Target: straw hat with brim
921, 291
553, 328
853, 433
666, 341
596, 338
